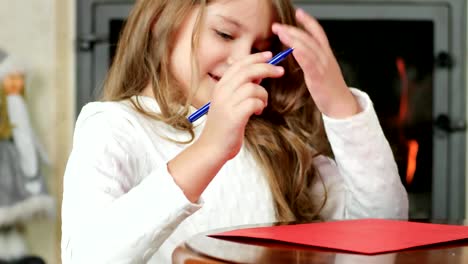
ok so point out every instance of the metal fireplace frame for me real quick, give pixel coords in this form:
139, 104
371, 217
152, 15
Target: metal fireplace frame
449, 169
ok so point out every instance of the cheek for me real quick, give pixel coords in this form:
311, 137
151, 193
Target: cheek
212, 53
179, 64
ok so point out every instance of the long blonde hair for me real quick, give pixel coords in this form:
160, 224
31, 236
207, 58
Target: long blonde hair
284, 139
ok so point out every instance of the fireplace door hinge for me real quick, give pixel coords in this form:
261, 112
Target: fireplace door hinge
444, 123
87, 42
444, 60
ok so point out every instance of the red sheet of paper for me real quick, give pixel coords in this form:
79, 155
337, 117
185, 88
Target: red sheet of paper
368, 236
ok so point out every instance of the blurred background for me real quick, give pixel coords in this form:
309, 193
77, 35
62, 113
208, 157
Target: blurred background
409, 56
41, 34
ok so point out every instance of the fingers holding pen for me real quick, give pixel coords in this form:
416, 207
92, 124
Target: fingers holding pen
255, 72
248, 60
237, 81
241, 94
235, 98
250, 98
238, 95
250, 69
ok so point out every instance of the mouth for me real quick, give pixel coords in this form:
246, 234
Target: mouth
214, 77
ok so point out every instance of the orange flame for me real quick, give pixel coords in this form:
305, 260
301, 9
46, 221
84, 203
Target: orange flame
413, 148
412, 144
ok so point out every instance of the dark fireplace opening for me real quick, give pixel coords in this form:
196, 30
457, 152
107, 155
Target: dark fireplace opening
115, 29
393, 62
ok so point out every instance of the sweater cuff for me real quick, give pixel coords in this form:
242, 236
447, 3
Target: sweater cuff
358, 133
365, 104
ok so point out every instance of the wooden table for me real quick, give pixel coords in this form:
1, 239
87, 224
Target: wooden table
203, 249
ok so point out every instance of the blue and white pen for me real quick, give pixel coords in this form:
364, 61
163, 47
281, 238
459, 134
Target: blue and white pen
204, 109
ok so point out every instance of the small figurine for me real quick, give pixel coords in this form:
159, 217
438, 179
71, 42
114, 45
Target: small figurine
23, 192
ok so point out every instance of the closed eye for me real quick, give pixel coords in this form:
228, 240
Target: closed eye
224, 35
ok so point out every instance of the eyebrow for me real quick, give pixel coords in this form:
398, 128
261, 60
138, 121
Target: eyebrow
239, 25
230, 20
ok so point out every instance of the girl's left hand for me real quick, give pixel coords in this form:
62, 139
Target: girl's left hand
322, 73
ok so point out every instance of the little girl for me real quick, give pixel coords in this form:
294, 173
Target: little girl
279, 143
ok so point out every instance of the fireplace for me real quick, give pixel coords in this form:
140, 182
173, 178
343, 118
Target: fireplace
405, 54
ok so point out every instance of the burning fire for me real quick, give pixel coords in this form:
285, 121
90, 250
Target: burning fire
413, 148
412, 145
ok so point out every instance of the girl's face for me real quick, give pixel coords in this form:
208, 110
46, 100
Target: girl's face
230, 30
13, 83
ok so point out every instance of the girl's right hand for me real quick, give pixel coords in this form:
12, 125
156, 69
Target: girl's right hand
236, 97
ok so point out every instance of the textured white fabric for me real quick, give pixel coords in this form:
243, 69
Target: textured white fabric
121, 205
12, 245
23, 135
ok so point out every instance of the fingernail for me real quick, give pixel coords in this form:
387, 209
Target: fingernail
300, 12
279, 69
275, 27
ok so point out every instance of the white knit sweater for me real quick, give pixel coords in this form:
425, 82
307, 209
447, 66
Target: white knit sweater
120, 204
